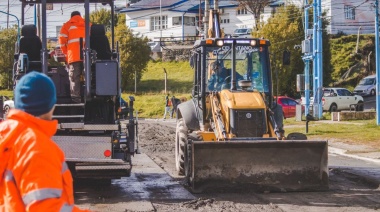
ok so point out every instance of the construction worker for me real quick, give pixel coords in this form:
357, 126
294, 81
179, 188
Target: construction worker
70, 37
168, 104
175, 103
220, 77
33, 173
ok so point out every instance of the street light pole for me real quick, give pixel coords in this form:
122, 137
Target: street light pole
8, 15
160, 20
166, 78
377, 62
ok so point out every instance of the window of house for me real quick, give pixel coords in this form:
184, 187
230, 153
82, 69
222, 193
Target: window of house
241, 11
188, 21
155, 22
349, 12
225, 21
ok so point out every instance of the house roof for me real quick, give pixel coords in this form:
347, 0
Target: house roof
152, 4
192, 6
188, 6
277, 3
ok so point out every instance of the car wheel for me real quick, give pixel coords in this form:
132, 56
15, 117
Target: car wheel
360, 106
333, 108
373, 92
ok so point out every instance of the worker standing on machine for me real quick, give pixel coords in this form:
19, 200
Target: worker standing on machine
71, 41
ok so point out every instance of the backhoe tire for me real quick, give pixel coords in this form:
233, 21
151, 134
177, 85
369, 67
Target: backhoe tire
188, 153
180, 143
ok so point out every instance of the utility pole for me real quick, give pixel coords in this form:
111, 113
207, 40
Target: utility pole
160, 20
315, 61
200, 16
205, 19
377, 62
307, 57
320, 57
8, 15
166, 78
135, 81
38, 20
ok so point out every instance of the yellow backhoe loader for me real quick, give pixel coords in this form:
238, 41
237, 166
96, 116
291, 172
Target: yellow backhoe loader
230, 134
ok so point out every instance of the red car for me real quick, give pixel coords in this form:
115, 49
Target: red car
288, 106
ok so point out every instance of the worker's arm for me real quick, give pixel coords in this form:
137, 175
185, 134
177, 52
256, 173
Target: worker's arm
211, 83
63, 38
44, 180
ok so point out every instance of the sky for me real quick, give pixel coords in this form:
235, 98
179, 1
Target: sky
56, 17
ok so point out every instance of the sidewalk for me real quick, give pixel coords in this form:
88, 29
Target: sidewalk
359, 152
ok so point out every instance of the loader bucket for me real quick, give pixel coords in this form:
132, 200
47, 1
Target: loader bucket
260, 165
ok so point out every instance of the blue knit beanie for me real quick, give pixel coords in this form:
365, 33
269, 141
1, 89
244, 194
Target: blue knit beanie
35, 94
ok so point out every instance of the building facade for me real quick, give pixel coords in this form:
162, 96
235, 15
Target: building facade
180, 18
348, 16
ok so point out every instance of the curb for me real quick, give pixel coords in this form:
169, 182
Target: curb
371, 176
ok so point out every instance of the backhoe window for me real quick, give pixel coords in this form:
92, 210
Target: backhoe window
251, 64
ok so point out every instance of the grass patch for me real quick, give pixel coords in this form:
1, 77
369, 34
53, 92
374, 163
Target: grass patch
150, 96
151, 105
179, 78
364, 132
6, 93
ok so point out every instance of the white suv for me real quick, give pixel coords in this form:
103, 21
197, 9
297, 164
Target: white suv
336, 99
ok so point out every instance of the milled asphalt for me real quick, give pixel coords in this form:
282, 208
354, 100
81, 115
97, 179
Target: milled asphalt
366, 160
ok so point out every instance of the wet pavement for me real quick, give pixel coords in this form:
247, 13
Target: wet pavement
148, 182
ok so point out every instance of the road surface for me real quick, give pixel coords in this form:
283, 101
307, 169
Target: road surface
155, 186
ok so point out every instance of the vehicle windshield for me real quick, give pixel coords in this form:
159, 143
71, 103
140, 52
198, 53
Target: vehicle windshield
240, 31
368, 81
251, 64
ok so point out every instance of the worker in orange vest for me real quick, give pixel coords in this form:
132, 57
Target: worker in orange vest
70, 37
33, 173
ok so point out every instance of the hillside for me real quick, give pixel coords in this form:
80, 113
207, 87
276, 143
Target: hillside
351, 65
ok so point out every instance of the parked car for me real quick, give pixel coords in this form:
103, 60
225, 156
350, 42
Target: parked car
154, 46
336, 99
366, 86
288, 106
242, 32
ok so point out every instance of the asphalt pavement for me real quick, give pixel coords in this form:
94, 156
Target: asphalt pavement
359, 160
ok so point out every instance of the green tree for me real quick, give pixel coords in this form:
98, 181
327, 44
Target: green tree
8, 38
102, 16
134, 54
285, 30
255, 7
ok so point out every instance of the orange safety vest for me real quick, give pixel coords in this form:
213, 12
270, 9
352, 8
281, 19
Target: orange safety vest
33, 173
69, 38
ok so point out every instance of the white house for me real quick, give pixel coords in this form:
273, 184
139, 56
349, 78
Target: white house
181, 17
348, 16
